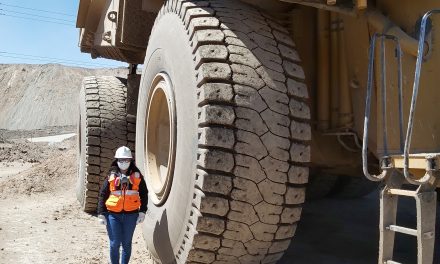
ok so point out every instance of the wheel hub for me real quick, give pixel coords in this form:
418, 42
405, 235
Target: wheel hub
160, 137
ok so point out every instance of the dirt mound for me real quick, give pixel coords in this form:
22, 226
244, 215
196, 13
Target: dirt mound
38, 96
55, 167
14, 149
24, 151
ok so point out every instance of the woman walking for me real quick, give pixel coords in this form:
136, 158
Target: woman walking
122, 203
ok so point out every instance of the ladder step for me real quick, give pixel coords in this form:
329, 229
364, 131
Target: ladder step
402, 192
404, 230
391, 262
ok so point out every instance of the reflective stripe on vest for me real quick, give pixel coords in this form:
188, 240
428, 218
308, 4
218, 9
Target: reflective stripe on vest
127, 192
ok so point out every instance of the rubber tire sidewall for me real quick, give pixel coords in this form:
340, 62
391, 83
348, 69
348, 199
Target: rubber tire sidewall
169, 52
81, 157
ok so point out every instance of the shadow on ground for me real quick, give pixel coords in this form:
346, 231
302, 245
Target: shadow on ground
335, 231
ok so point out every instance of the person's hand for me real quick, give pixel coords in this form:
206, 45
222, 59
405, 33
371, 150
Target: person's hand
102, 220
141, 218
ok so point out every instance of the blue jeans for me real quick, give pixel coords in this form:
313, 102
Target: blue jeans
120, 229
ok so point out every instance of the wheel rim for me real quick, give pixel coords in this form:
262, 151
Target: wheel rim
160, 137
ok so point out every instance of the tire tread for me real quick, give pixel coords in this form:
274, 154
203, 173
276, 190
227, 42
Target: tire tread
250, 89
107, 128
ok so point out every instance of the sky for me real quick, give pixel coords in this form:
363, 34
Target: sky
25, 38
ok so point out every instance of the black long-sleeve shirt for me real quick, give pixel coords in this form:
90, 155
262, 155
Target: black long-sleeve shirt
104, 193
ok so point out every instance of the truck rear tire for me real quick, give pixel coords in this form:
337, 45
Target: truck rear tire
103, 126
223, 135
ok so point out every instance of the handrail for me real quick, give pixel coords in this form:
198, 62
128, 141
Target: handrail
420, 54
385, 166
384, 25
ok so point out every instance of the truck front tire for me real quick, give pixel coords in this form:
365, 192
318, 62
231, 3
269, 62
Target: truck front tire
226, 156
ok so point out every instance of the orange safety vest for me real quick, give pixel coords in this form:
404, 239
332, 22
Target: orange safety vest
123, 198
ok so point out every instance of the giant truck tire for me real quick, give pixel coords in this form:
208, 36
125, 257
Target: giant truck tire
222, 135
103, 127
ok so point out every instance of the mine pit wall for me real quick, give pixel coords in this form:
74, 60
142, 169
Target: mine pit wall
336, 71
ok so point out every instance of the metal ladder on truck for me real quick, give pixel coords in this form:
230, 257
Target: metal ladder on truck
392, 165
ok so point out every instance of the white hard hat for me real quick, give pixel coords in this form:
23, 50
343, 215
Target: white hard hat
123, 153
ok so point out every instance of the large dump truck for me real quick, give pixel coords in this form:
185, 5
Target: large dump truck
239, 101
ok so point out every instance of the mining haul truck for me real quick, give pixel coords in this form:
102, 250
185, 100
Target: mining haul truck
240, 104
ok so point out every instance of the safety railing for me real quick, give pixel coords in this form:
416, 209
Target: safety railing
385, 162
420, 57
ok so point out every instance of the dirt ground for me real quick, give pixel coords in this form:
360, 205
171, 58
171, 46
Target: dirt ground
41, 222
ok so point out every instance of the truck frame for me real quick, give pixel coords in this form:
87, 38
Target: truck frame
243, 105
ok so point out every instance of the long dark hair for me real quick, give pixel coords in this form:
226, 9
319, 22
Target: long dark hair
132, 168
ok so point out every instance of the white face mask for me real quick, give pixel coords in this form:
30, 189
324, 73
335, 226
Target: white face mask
123, 165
